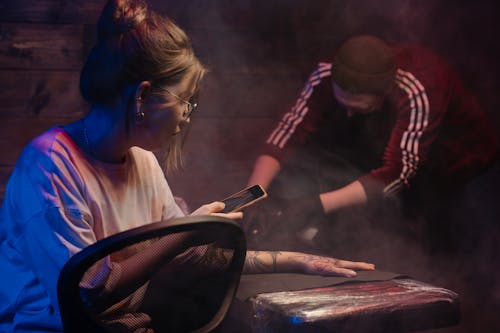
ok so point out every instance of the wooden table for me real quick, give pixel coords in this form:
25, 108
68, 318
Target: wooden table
393, 303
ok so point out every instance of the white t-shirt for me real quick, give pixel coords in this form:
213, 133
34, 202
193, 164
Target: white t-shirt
59, 200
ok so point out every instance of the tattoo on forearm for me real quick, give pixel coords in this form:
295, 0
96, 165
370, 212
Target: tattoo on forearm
216, 258
256, 262
318, 263
253, 263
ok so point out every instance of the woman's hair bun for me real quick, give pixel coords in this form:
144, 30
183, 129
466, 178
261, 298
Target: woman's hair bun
120, 16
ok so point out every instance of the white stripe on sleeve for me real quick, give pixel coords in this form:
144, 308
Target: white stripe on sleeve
286, 127
419, 119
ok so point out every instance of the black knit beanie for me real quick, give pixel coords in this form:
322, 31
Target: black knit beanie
364, 64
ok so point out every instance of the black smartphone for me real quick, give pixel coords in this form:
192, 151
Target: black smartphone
244, 198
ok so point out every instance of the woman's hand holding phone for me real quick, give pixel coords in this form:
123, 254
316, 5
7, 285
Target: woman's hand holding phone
215, 208
231, 206
244, 198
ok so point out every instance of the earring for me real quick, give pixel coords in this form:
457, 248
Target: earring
139, 115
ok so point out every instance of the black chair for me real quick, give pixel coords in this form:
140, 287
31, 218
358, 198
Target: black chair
167, 276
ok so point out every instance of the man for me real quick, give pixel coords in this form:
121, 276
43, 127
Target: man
398, 123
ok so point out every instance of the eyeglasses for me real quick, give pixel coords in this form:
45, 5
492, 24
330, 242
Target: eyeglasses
190, 106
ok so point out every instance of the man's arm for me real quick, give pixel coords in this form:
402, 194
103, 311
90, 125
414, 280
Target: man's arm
295, 126
350, 195
265, 169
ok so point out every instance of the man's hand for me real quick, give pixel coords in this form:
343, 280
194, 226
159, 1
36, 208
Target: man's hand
274, 219
298, 212
261, 220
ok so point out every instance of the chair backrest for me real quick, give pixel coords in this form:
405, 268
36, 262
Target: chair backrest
179, 275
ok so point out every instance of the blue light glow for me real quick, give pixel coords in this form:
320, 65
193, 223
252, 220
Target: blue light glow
296, 320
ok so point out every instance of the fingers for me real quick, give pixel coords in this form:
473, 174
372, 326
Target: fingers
232, 216
334, 267
214, 208
357, 265
327, 268
210, 208
342, 272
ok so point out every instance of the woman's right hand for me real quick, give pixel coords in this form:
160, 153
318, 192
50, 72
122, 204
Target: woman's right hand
214, 208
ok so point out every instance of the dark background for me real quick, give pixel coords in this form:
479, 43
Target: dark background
258, 52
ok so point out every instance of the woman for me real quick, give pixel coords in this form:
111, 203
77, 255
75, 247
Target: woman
79, 183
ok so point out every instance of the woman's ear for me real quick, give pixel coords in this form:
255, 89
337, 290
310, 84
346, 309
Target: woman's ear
142, 90
140, 95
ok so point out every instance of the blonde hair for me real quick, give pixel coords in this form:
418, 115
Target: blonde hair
135, 44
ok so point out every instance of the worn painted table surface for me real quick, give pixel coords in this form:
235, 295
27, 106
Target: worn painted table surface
394, 305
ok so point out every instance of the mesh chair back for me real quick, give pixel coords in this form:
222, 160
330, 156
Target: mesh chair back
171, 276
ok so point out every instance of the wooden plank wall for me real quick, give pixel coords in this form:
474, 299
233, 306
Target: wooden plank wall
258, 53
